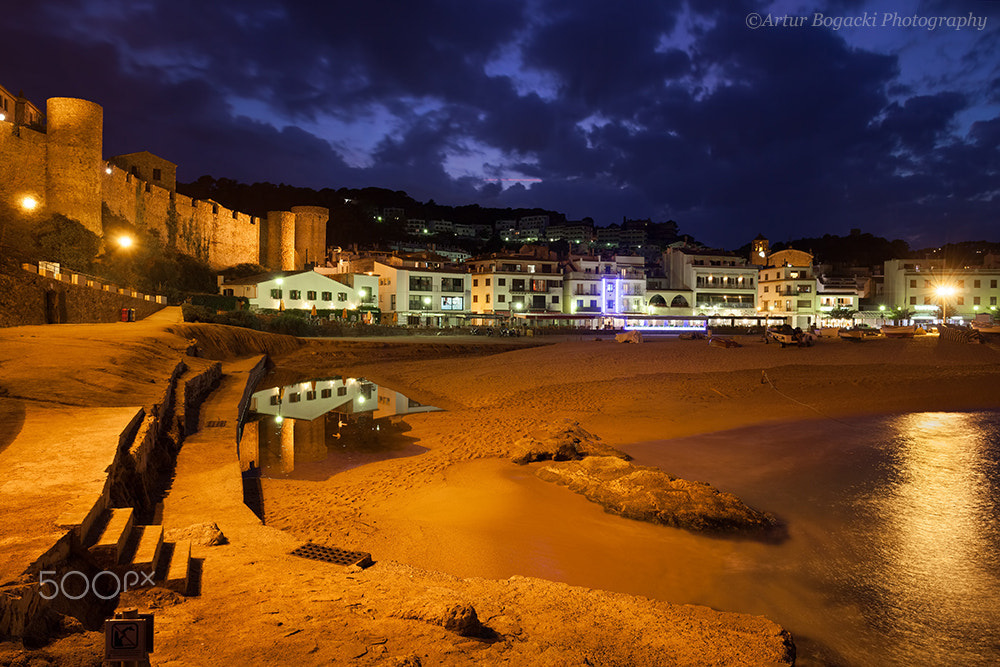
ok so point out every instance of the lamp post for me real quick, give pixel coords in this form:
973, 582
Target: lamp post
944, 291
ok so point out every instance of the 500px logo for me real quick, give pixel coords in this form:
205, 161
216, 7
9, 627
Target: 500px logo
105, 584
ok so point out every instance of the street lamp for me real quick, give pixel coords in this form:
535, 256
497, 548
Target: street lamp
944, 291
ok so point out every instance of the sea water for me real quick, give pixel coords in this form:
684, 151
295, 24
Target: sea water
893, 556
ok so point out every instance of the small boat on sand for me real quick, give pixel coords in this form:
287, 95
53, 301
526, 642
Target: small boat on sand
985, 325
899, 332
858, 334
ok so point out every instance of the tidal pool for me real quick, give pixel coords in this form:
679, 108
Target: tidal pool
318, 427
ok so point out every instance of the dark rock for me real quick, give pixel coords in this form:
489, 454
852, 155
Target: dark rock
648, 494
566, 441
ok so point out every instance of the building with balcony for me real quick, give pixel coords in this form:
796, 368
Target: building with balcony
929, 290
786, 288
604, 286
700, 281
507, 283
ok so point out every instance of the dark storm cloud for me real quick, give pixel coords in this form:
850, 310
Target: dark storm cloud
643, 109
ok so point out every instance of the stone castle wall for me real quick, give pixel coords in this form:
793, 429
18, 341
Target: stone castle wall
64, 171
22, 174
220, 236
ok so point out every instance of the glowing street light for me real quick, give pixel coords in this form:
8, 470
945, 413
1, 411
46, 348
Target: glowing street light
125, 241
944, 291
29, 203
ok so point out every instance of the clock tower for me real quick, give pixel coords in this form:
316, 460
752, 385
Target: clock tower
759, 250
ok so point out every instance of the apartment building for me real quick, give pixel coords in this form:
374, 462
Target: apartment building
786, 287
506, 283
605, 286
929, 290
719, 282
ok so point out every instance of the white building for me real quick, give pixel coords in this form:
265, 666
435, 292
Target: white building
928, 290
417, 290
300, 290
604, 286
707, 282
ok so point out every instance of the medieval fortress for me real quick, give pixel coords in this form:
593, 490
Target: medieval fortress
53, 164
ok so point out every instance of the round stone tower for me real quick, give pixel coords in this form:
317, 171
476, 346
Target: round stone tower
280, 241
310, 234
74, 130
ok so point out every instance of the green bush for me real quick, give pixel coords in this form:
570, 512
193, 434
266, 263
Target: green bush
193, 313
292, 325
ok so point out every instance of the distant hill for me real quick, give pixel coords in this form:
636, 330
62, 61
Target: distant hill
353, 212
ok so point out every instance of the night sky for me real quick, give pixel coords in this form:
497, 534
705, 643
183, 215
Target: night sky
640, 109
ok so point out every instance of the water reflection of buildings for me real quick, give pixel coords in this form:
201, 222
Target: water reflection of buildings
298, 423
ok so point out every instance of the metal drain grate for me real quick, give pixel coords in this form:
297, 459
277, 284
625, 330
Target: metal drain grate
333, 555
215, 424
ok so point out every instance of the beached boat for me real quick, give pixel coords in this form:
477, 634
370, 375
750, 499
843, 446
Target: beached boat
859, 333
899, 332
985, 325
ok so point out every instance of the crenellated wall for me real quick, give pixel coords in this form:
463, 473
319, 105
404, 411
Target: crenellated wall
62, 169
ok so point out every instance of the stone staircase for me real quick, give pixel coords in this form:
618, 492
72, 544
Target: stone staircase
121, 546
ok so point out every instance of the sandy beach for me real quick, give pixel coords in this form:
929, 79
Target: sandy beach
411, 512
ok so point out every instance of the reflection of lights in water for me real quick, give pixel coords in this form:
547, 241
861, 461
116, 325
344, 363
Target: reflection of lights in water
278, 419
936, 518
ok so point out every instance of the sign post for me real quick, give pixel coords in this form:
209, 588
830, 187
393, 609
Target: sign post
128, 639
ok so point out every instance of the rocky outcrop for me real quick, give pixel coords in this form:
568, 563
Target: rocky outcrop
648, 494
565, 441
201, 534
440, 607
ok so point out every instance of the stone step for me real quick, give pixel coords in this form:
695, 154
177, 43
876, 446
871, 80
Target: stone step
179, 566
147, 552
82, 514
113, 538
